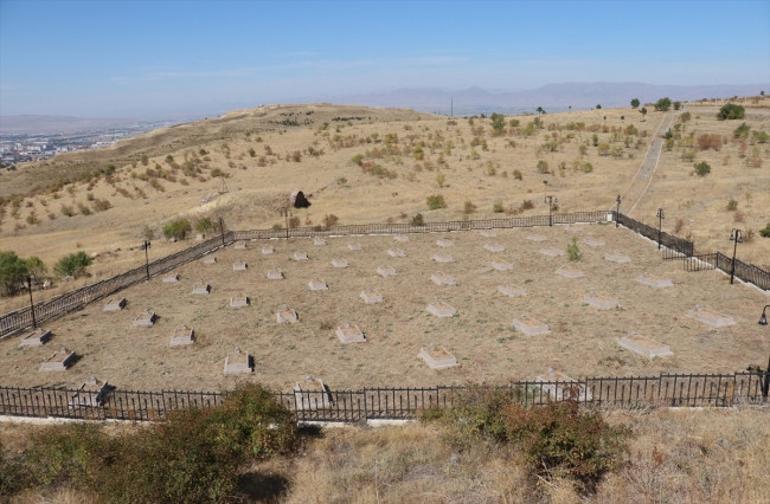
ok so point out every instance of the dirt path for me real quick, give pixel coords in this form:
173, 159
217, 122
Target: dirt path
643, 177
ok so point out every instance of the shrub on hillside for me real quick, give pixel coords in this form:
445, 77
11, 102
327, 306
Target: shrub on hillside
13, 272
498, 124
330, 221
73, 265
663, 104
573, 251
731, 111
177, 229
36, 267
765, 232
710, 141
418, 220
435, 202
702, 169
469, 208
204, 225
742, 131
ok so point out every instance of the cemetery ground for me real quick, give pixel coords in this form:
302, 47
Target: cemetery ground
575, 312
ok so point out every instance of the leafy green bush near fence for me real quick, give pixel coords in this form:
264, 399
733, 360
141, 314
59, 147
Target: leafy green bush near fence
73, 264
177, 229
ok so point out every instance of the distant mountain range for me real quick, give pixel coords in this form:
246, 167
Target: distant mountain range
552, 97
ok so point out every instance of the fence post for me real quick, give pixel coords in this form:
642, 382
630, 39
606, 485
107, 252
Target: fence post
222, 229
31, 303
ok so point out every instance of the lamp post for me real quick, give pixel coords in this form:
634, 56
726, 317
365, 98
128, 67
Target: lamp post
551, 200
222, 229
766, 382
736, 236
31, 303
285, 214
660, 217
617, 210
146, 246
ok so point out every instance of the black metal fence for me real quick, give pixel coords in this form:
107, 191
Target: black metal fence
717, 260
665, 390
675, 247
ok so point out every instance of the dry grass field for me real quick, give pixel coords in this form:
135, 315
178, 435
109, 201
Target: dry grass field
582, 340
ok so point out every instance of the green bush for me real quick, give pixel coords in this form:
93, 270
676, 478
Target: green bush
635, 103
436, 201
731, 111
573, 251
498, 207
498, 124
663, 104
202, 225
418, 220
13, 272
177, 228
73, 264
702, 169
765, 233
742, 131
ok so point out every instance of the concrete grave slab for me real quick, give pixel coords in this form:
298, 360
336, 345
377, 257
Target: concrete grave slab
35, 338
317, 285
570, 273
182, 336
240, 245
617, 258
145, 319
275, 275
437, 357
443, 279
552, 252
401, 238
201, 289
238, 362
560, 386
209, 259
441, 309
114, 304
488, 233
645, 347
536, 237
319, 242
350, 333
444, 243
601, 303
240, 266
354, 247
593, 242
268, 250
286, 315
655, 282
91, 394
171, 278
60, 360
239, 301
299, 256
311, 395
340, 263
501, 266
511, 292
369, 297
530, 326
386, 271
710, 317
396, 252
495, 248
442, 258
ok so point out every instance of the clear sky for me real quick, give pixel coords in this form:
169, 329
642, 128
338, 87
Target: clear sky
142, 57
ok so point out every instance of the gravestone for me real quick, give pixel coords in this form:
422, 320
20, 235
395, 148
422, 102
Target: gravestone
209, 259
91, 394
536, 237
268, 250
240, 266
274, 275
495, 248
317, 285
444, 243
570, 273
171, 278
593, 242
396, 252
199, 237
339, 263
370, 297
36, 337
238, 362
182, 336
551, 252
145, 319
645, 347
299, 256
441, 309
350, 333
437, 357
240, 245
617, 258
386, 271
239, 301
319, 242
501, 266
60, 360
530, 327
355, 247
710, 317
114, 304
601, 303
443, 279
286, 315
560, 386
511, 292
488, 233
201, 289
655, 282
442, 258
313, 394
401, 238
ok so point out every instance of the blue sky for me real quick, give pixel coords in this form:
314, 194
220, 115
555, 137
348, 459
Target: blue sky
143, 58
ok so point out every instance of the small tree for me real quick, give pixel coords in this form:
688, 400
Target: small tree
663, 104
177, 229
73, 265
677, 105
13, 271
37, 268
498, 124
635, 103
731, 111
599, 107
643, 111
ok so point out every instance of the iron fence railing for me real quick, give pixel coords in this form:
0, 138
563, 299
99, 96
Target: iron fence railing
675, 247
716, 260
665, 390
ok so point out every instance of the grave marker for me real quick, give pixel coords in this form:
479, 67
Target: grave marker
319, 242
645, 347
530, 327
437, 357
286, 315
495, 248
339, 263
317, 285
442, 258
60, 360
370, 297
268, 250
601, 303
560, 386
655, 282
209, 259
240, 245
501, 266
570, 273
36, 337
396, 252
145, 319
350, 333
710, 317
386, 271
551, 252
238, 362
313, 396
299, 256
401, 238
488, 233
354, 247
441, 309
617, 258
536, 237
201, 289
593, 242
239, 301
114, 304
240, 266
274, 275
171, 278
441, 242
182, 336
443, 279
511, 292
91, 394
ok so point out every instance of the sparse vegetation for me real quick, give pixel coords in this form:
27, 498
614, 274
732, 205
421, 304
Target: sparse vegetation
573, 251
73, 265
177, 229
435, 202
702, 169
731, 111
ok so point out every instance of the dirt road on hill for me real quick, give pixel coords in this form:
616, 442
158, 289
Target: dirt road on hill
643, 177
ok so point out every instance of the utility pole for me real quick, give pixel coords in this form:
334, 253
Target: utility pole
31, 303
660, 225
551, 200
285, 213
222, 229
146, 246
736, 236
617, 210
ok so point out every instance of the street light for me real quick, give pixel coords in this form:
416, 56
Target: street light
736, 236
146, 246
222, 229
31, 303
617, 210
763, 318
660, 217
766, 383
551, 200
